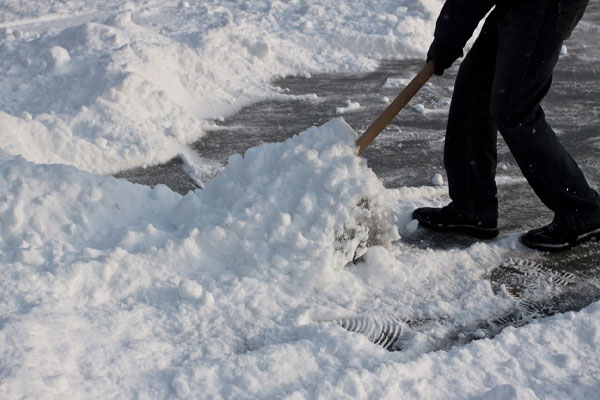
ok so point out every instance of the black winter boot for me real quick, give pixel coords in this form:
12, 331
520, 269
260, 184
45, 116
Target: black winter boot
447, 219
555, 237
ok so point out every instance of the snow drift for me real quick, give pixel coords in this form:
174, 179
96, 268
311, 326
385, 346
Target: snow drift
130, 84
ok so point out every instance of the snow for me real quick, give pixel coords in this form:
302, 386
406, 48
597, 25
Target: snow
412, 226
398, 83
437, 180
110, 289
121, 84
420, 108
349, 106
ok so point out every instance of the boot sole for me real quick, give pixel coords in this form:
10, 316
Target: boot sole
469, 230
556, 247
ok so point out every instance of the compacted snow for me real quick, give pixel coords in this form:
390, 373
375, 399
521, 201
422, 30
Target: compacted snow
110, 289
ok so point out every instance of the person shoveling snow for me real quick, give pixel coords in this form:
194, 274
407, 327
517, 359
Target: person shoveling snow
499, 87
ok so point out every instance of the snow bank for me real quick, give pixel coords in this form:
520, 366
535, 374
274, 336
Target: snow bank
125, 84
111, 289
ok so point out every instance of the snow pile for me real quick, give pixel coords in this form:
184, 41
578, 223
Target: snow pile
214, 268
127, 84
105, 96
111, 289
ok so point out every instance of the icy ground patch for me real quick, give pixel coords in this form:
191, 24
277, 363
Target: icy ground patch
112, 289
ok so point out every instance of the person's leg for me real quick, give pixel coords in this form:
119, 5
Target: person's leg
470, 147
470, 155
529, 45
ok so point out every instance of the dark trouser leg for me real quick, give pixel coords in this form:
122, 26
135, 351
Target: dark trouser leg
470, 148
528, 49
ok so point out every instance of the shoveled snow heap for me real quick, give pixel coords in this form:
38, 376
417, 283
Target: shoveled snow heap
104, 278
116, 290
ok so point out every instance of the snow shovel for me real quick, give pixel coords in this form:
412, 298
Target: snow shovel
393, 109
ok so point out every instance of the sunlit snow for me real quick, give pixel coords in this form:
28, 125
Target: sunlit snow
110, 289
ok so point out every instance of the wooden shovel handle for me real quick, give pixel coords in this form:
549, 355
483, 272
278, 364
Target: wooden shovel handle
393, 109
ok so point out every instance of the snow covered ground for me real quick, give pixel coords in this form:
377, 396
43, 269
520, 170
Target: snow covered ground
119, 84
110, 289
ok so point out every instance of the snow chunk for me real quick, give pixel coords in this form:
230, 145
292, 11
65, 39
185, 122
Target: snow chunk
189, 290
57, 57
412, 226
420, 108
208, 299
395, 83
563, 50
437, 180
479, 334
348, 107
121, 20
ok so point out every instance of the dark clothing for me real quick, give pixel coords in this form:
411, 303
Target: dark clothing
499, 87
458, 19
